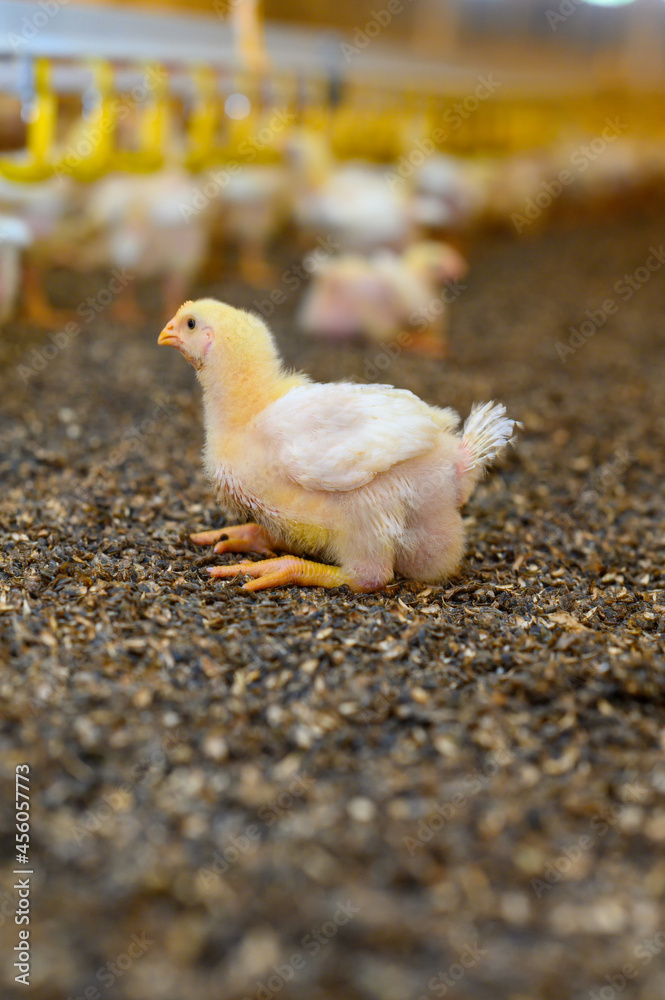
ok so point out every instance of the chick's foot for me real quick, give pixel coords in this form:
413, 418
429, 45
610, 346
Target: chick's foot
126, 308
427, 344
36, 306
237, 538
39, 312
285, 571
255, 269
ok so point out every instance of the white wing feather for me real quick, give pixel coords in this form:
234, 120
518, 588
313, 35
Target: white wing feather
338, 437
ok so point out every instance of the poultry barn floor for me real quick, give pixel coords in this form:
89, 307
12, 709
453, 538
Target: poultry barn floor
449, 791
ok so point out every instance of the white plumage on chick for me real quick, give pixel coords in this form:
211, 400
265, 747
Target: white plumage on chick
142, 224
383, 296
255, 203
49, 225
450, 193
354, 204
369, 478
15, 236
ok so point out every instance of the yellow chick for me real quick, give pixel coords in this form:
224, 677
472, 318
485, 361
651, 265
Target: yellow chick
385, 295
366, 477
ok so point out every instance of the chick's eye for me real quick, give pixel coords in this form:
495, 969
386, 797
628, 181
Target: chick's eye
191, 323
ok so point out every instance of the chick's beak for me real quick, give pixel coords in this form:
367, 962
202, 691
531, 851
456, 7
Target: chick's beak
169, 336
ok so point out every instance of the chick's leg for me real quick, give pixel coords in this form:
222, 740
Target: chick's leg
430, 342
238, 538
38, 309
432, 549
285, 571
254, 268
127, 308
426, 344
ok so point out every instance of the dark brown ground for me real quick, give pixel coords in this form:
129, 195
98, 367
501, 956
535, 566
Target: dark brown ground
219, 771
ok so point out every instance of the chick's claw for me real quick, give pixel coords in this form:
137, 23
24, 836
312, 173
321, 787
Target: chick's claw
237, 538
207, 537
246, 538
283, 572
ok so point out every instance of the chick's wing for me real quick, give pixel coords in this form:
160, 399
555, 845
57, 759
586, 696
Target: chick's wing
338, 437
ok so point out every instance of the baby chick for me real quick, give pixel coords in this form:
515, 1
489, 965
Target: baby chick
139, 225
14, 238
45, 215
352, 202
384, 295
367, 477
254, 206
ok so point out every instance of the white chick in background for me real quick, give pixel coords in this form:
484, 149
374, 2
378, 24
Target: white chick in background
384, 296
607, 181
355, 205
255, 203
450, 193
516, 182
15, 236
145, 226
49, 211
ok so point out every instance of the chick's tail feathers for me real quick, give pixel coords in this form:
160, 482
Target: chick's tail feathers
486, 432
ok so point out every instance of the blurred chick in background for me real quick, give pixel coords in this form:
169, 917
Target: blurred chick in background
368, 477
513, 182
50, 213
384, 295
14, 238
255, 205
140, 224
602, 184
352, 203
450, 193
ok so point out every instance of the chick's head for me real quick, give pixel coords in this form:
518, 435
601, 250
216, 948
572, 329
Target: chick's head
438, 263
215, 337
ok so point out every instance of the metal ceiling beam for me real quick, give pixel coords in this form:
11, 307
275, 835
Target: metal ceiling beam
74, 31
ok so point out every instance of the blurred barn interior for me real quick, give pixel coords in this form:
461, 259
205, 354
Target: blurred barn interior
182, 145
464, 198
